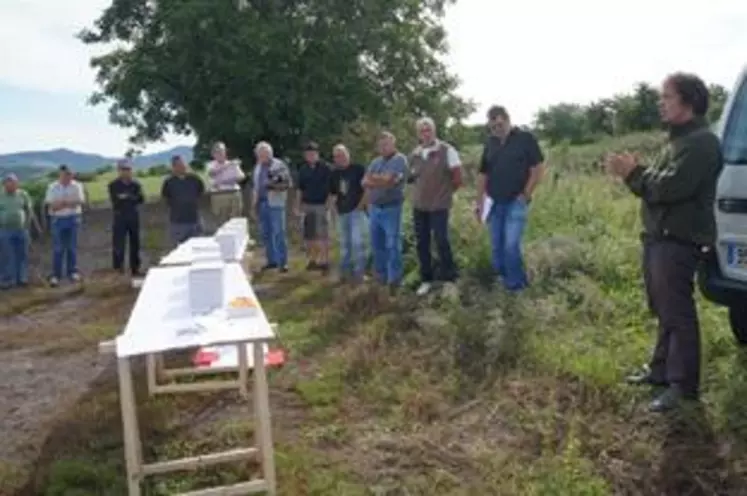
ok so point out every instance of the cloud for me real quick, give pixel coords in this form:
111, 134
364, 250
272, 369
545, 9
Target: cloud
38, 47
524, 55
534, 53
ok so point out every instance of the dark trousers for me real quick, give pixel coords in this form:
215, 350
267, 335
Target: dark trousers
669, 271
434, 223
126, 230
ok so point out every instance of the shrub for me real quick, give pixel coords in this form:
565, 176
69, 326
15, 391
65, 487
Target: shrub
86, 177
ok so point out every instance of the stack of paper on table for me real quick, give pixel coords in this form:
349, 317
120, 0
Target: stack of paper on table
162, 318
205, 286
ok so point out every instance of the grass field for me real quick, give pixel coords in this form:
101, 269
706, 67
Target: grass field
98, 193
499, 395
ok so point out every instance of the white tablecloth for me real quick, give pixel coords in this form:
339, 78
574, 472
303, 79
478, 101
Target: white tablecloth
161, 319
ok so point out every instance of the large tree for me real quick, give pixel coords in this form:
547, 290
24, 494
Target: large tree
279, 70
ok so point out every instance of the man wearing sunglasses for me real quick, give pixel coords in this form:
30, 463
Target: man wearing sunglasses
510, 168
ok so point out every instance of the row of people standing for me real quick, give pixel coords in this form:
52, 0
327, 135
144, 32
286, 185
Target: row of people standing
369, 203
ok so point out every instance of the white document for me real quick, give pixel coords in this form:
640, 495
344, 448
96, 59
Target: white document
487, 205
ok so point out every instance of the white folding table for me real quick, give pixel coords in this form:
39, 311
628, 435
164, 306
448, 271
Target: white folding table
183, 255
161, 321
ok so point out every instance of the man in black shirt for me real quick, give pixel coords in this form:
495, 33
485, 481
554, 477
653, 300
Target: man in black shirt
313, 185
125, 195
182, 191
349, 196
510, 169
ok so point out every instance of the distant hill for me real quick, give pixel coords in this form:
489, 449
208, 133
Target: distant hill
24, 173
32, 162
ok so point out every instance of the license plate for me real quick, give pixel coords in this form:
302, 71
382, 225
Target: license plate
736, 255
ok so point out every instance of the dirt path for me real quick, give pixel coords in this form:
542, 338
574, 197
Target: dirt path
48, 357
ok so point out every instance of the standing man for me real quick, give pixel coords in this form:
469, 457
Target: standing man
65, 198
510, 169
271, 179
16, 216
182, 191
677, 194
126, 196
313, 184
384, 182
225, 185
348, 196
436, 172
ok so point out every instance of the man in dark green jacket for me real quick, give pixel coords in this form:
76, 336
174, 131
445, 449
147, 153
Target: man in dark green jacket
677, 193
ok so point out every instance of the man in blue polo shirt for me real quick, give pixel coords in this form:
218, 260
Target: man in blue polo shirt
510, 168
384, 182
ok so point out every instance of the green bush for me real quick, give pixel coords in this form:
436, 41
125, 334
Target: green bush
158, 170
86, 177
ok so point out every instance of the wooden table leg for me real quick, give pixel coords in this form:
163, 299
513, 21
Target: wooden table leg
262, 414
242, 349
150, 372
130, 430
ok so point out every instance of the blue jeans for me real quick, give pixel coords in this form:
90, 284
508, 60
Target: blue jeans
506, 222
386, 242
65, 245
14, 245
352, 227
272, 226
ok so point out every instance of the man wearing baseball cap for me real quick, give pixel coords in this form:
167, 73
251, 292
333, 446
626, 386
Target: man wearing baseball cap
16, 215
125, 195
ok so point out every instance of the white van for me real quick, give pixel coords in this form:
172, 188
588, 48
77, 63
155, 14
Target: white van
723, 278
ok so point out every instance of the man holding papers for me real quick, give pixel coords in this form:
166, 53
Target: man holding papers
510, 168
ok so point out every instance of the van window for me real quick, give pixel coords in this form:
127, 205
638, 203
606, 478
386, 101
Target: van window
734, 142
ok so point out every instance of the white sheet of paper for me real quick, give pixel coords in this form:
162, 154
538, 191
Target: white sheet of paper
487, 205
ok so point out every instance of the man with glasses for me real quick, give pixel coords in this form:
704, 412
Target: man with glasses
510, 169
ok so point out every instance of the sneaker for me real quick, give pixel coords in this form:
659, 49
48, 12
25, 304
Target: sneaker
75, 277
423, 289
268, 267
323, 268
54, 282
284, 269
312, 266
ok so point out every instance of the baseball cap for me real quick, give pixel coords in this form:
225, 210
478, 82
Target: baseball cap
124, 164
10, 177
311, 146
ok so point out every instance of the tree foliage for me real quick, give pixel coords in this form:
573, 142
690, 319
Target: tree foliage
278, 70
622, 114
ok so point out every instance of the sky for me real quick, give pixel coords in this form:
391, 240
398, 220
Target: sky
523, 55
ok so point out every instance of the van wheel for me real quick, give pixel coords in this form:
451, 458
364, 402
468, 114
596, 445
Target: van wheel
738, 322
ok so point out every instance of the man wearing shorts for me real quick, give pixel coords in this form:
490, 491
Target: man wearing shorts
314, 180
